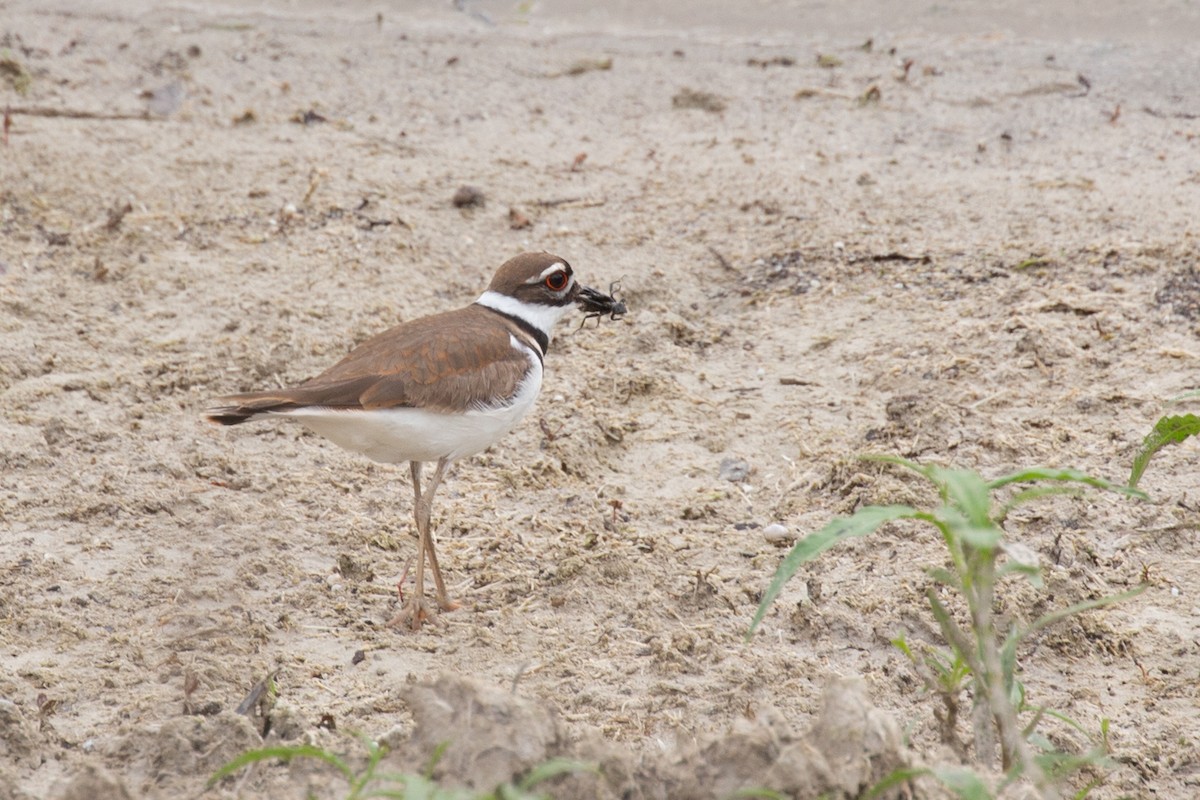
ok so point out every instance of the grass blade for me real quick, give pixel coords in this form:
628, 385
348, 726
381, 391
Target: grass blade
552, 769
438, 752
1168, 430
963, 782
864, 521
284, 753
895, 778
920, 469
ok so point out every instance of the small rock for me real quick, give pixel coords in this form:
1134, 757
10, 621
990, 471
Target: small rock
778, 535
165, 100
468, 197
734, 469
518, 219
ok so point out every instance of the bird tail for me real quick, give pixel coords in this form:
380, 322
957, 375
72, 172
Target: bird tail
238, 408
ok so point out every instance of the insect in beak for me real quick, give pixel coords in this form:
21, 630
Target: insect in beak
597, 304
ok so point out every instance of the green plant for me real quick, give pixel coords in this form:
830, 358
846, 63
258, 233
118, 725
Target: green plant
981, 655
946, 675
370, 782
1168, 430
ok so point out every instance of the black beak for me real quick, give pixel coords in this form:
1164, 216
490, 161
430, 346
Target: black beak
598, 304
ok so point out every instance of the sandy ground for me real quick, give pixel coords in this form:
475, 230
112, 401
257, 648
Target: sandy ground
966, 239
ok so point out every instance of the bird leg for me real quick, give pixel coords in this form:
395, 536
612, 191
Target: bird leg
415, 611
426, 509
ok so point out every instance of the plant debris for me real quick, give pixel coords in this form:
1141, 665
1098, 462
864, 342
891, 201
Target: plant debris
705, 101
15, 75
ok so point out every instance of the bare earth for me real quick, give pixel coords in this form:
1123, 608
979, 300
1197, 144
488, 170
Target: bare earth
970, 242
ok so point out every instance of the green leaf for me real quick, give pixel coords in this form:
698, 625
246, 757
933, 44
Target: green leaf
945, 577
1168, 430
1087, 788
285, 753
1026, 495
1008, 660
1063, 718
982, 537
964, 783
412, 787
1087, 605
552, 769
968, 492
438, 752
864, 521
895, 778
1040, 741
920, 469
960, 644
1035, 474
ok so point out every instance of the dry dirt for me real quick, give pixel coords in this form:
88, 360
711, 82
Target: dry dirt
967, 245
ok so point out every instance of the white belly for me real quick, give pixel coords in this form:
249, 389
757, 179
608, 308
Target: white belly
396, 435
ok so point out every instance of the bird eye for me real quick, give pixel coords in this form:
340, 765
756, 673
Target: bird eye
557, 281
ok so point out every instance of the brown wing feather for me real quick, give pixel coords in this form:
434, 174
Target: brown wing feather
432, 362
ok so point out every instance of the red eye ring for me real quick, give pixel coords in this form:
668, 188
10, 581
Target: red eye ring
556, 281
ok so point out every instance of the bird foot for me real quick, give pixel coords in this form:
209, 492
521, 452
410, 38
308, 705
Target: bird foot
416, 610
413, 614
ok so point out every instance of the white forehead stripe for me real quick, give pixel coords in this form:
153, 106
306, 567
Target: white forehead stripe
555, 267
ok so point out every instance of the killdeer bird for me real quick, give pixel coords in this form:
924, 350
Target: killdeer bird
438, 389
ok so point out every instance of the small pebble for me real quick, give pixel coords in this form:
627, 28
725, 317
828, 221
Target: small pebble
468, 197
777, 535
165, 100
734, 469
518, 219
